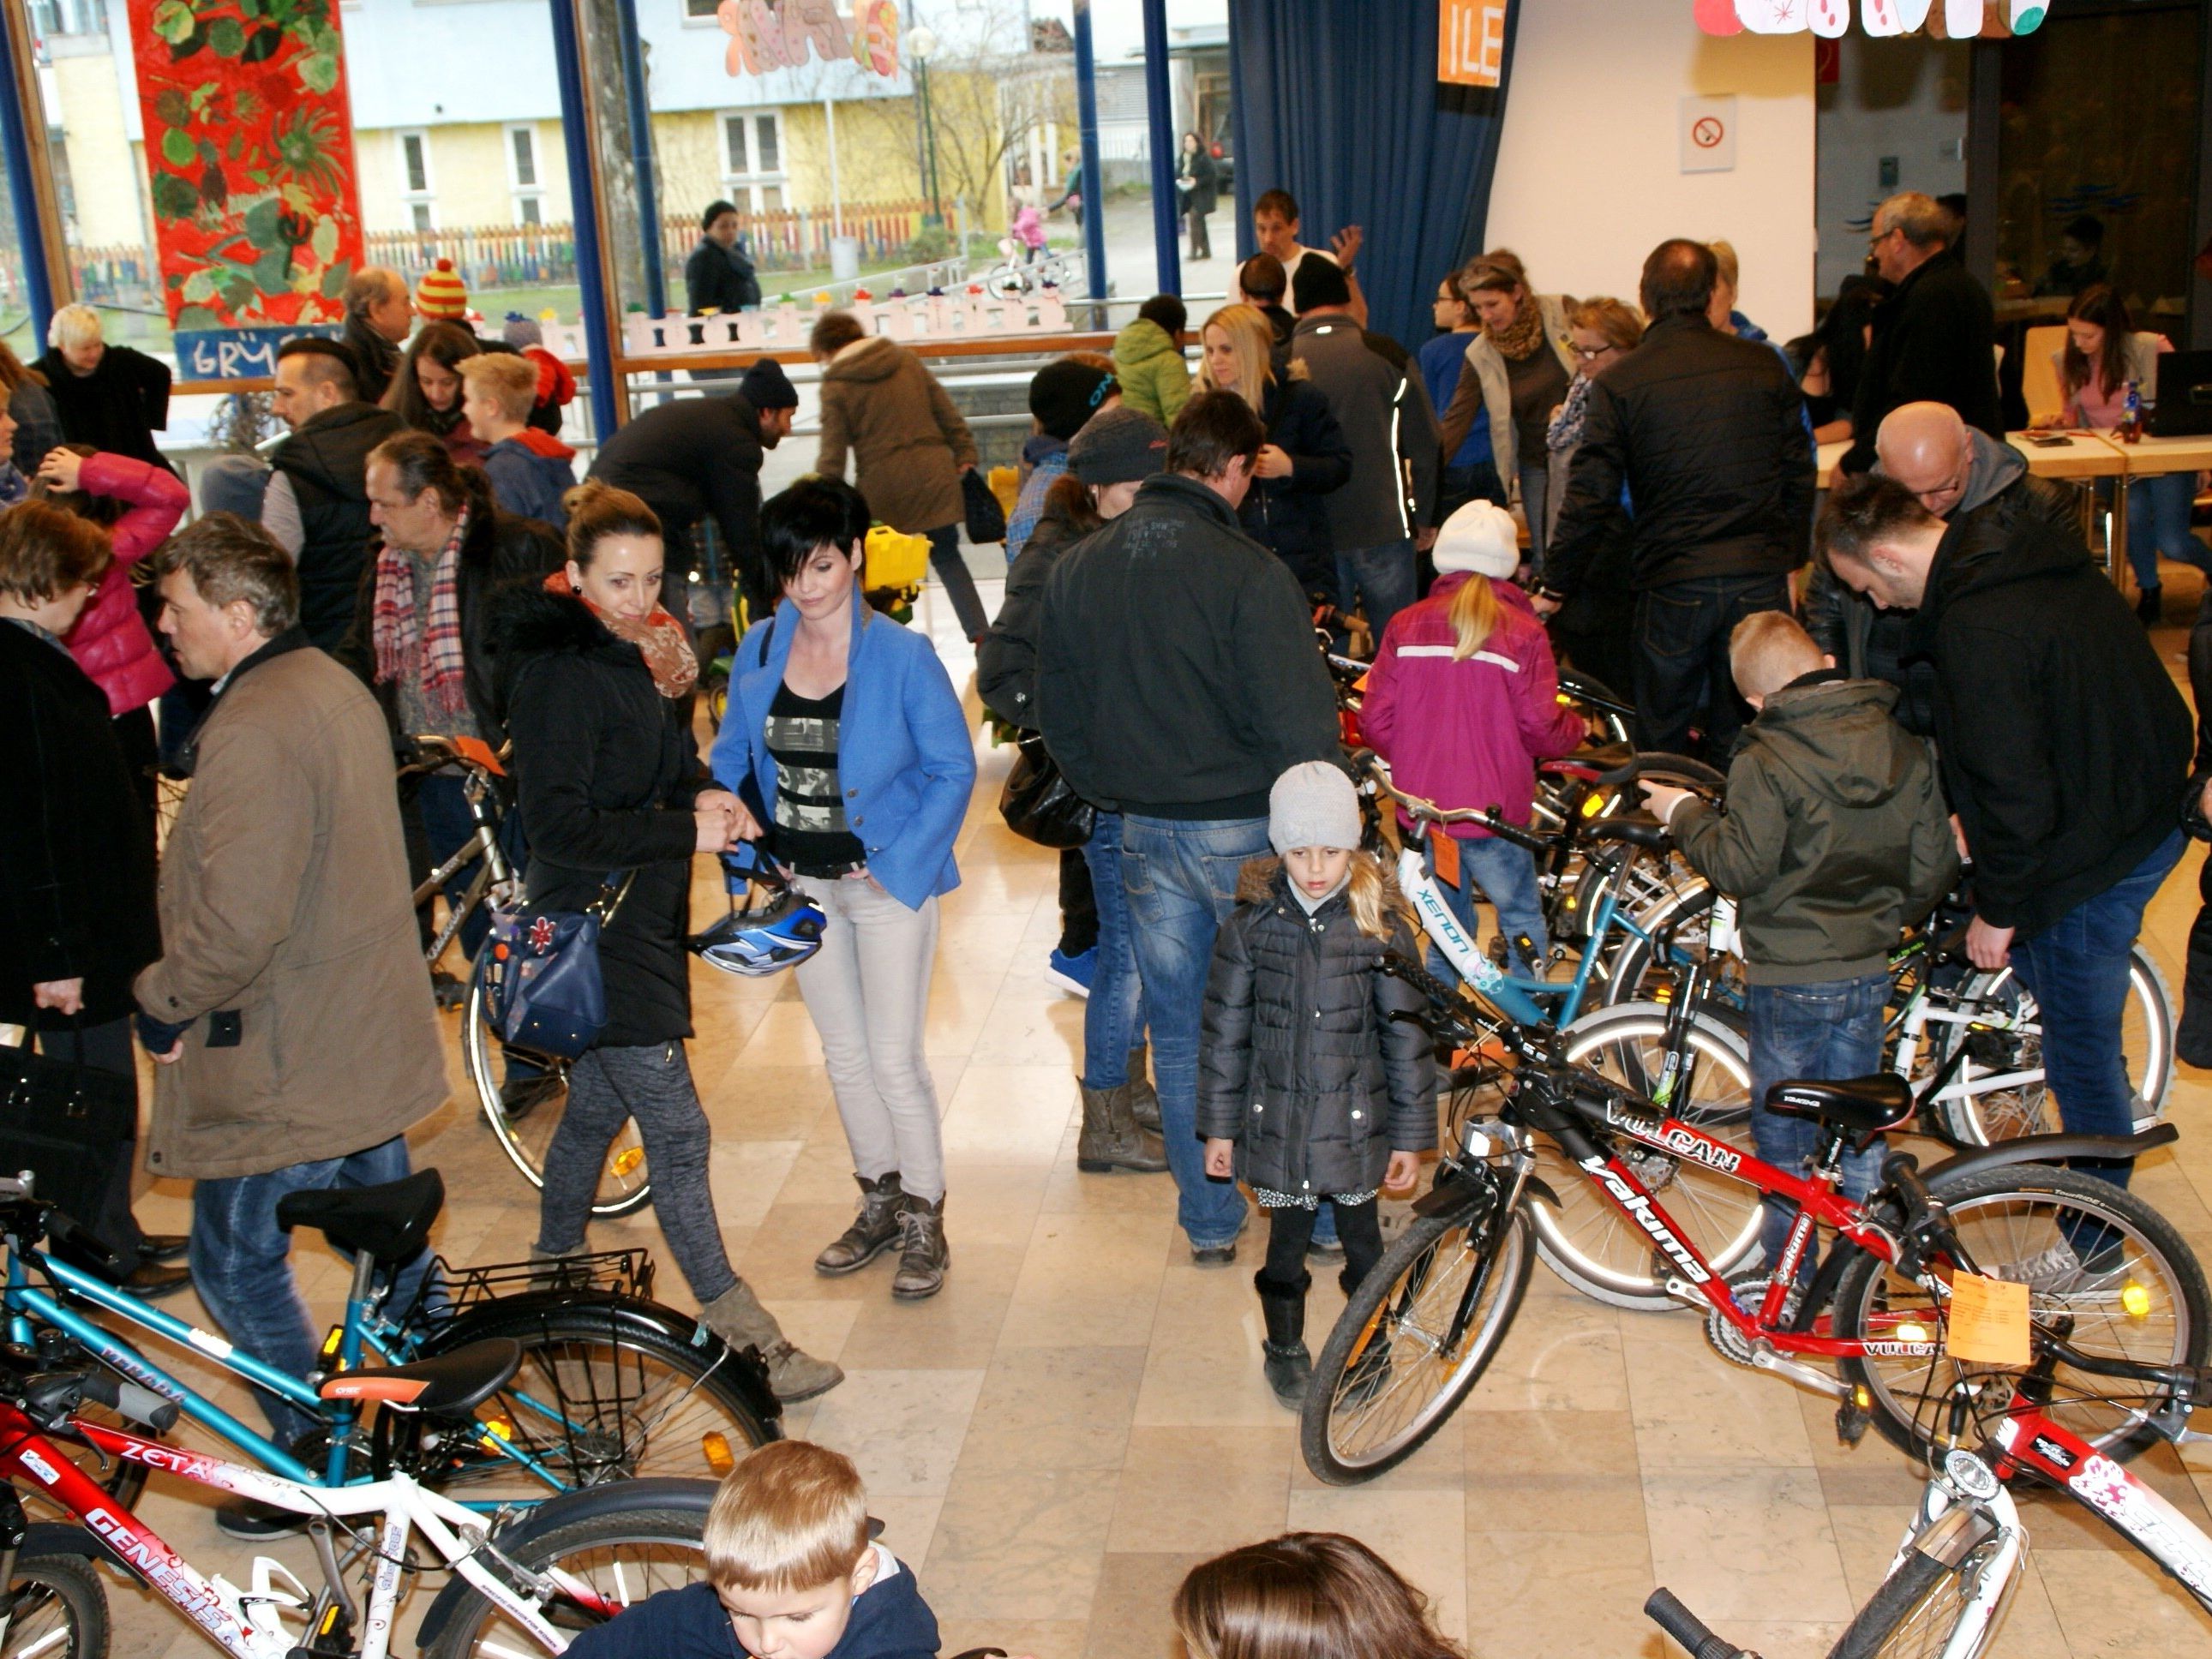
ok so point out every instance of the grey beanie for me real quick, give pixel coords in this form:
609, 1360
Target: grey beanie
1313, 804
1119, 445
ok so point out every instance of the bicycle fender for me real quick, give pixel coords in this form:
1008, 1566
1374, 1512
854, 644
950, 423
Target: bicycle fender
1457, 1196
2049, 1149
651, 1493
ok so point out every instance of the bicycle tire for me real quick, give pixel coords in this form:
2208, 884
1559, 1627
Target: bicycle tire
57, 1597
1915, 1611
557, 1411
1585, 1241
2173, 1327
1982, 1120
657, 1550
625, 1181
1406, 1266
1626, 974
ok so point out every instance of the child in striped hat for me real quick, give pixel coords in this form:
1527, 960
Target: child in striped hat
441, 295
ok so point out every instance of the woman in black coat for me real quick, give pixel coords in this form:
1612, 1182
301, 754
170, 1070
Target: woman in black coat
719, 276
1306, 455
77, 916
589, 670
1200, 181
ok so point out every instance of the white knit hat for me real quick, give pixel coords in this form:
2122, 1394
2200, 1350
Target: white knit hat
1313, 804
1480, 537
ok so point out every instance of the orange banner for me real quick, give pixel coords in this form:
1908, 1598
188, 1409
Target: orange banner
1471, 42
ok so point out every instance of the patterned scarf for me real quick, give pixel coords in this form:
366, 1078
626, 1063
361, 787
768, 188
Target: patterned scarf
1566, 427
404, 646
657, 636
1520, 338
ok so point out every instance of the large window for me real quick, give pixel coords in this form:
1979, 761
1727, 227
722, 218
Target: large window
415, 183
752, 160
522, 175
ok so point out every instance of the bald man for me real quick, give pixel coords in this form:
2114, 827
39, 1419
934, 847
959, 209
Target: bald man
1955, 470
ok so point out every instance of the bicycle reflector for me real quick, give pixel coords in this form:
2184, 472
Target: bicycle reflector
715, 1445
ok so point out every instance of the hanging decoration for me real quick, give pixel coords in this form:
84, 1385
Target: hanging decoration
1471, 42
765, 35
250, 169
1956, 20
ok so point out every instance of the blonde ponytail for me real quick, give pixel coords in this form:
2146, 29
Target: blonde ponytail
1376, 904
1473, 616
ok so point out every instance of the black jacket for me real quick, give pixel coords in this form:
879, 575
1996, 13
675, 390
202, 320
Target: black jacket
1289, 516
1178, 676
605, 780
327, 462
1934, 341
687, 458
2064, 745
890, 1620
1205, 175
1300, 1063
1708, 432
376, 359
119, 407
501, 551
77, 899
1006, 660
716, 279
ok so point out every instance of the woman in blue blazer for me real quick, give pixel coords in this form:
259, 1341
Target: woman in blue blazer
848, 727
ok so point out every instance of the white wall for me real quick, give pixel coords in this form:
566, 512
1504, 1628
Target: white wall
1588, 175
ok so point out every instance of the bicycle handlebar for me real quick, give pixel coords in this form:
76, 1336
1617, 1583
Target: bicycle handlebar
1664, 1608
1420, 806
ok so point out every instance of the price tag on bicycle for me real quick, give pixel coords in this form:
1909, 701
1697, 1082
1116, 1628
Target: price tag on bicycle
1988, 1321
1719, 927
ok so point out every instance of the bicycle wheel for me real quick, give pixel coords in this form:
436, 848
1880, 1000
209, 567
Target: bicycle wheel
1383, 1382
1592, 1245
1999, 1093
526, 1132
2094, 1255
624, 1558
61, 1609
600, 1397
1635, 972
1919, 1607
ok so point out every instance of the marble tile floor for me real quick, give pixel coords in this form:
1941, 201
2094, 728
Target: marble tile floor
1079, 1417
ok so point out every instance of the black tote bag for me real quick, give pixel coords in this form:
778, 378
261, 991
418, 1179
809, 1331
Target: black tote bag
64, 1121
986, 520
1038, 803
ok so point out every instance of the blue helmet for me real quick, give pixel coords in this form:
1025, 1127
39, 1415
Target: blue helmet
758, 940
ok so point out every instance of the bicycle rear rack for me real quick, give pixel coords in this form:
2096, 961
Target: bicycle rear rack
626, 1273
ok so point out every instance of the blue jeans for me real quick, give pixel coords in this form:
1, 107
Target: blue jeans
1381, 575
1506, 876
242, 1267
1682, 660
1179, 876
2077, 969
2158, 522
1829, 1032
1114, 1015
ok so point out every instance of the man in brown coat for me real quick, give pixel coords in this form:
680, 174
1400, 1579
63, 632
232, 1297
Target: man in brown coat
290, 1010
908, 445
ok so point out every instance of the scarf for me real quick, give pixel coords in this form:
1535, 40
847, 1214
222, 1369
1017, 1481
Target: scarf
657, 636
406, 646
1566, 428
1521, 338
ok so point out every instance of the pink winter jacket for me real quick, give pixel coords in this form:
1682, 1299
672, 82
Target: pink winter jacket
1467, 734
110, 641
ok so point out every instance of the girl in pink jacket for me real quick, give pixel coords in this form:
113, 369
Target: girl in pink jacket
1462, 701
140, 504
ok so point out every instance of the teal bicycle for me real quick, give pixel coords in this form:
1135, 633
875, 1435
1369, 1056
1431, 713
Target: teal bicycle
611, 1384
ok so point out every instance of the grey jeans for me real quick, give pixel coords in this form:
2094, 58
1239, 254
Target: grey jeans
867, 991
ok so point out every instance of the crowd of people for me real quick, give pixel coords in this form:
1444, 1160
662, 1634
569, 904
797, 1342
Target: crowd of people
1629, 489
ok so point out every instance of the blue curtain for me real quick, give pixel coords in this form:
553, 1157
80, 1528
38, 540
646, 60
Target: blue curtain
1339, 104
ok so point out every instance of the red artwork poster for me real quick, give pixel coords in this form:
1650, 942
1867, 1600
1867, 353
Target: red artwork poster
249, 155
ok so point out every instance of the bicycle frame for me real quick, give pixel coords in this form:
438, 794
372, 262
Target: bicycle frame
483, 843
245, 1623
2031, 1441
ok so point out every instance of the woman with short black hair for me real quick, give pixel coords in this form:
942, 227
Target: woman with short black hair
848, 727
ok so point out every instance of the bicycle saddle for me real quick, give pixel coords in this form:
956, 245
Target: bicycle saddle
450, 1385
1860, 1104
388, 1223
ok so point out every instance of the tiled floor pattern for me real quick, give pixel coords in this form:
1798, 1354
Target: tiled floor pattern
1079, 1417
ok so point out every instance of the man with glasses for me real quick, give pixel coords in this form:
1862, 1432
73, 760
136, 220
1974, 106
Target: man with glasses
1935, 337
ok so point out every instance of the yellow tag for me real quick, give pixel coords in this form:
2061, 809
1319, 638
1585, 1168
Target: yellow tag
1988, 1321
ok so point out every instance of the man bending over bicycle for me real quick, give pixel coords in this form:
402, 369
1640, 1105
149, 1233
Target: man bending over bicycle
1834, 839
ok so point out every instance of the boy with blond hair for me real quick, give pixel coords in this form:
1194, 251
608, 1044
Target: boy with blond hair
791, 1574
1834, 838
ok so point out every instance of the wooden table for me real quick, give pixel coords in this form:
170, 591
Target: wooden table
2149, 458
2082, 455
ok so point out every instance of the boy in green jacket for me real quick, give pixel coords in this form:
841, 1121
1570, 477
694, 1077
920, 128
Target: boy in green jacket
1148, 359
1835, 838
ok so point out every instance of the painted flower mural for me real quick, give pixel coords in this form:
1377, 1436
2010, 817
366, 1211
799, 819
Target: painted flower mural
250, 159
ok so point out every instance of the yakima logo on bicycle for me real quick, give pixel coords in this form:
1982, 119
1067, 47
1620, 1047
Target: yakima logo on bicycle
1683, 1143
2051, 1452
1638, 1206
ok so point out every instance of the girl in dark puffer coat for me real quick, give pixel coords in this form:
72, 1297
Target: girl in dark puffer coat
1309, 1090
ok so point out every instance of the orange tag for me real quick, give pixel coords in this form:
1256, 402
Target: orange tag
1445, 851
1988, 1321
477, 752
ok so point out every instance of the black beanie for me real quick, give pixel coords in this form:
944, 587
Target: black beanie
715, 210
1319, 283
767, 386
1064, 394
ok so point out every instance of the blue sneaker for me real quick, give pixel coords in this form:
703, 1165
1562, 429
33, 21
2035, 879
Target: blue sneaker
1072, 974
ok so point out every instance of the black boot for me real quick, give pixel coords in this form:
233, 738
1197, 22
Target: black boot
1288, 1366
2148, 610
2193, 1038
874, 1230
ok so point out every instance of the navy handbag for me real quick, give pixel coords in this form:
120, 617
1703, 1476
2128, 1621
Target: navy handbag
541, 971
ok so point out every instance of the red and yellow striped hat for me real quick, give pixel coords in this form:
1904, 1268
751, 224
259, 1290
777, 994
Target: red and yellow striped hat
442, 294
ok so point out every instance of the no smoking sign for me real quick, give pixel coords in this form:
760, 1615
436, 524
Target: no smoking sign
1707, 130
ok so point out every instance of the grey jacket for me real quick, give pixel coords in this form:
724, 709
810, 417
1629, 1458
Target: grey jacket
1384, 409
1487, 394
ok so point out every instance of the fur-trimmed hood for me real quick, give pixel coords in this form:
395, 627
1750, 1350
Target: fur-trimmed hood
528, 619
1261, 878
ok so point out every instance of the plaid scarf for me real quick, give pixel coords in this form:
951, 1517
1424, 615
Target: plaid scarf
406, 647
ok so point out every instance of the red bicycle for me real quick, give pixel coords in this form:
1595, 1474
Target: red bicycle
1868, 1331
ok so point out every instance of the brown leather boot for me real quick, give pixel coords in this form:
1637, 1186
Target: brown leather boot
1113, 1140
924, 1258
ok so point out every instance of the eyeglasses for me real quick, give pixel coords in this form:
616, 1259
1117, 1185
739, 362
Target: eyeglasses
1591, 353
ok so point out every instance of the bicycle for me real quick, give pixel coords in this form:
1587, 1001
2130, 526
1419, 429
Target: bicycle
535, 1577
1417, 1334
610, 1384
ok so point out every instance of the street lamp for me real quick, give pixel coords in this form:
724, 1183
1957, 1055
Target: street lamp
921, 44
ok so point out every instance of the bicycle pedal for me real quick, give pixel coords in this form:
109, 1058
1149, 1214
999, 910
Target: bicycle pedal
1851, 1421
